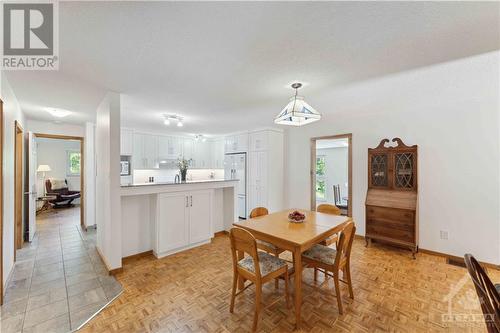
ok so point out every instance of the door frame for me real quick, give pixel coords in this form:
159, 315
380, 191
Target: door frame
18, 187
1, 201
347, 136
82, 168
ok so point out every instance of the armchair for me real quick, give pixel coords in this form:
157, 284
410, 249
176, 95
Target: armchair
64, 197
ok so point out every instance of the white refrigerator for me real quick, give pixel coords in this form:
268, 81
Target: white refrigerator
235, 167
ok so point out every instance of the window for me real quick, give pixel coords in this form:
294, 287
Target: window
73, 163
320, 178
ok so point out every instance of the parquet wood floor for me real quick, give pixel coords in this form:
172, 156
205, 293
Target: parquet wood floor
190, 292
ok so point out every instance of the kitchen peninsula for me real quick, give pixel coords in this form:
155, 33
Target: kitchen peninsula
170, 217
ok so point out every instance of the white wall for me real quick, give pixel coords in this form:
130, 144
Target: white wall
108, 201
12, 112
336, 170
89, 184
451, 111
45, 127
53, 152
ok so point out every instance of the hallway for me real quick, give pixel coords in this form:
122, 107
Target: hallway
59, 280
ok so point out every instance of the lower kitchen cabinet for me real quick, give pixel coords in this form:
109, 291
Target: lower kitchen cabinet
184, 220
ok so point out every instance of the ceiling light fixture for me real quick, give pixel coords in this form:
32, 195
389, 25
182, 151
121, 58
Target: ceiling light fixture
168, 118
297, 112
58, 113
199, 137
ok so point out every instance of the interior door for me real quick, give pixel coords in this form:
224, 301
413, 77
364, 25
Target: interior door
32, 186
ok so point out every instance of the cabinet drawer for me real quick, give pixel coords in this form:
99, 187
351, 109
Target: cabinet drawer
374, 229
390, 224
391, 215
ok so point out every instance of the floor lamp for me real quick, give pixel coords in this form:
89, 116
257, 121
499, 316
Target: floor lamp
43, 168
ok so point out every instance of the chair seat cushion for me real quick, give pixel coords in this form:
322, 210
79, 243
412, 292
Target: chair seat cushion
70, 196
321, 253
267, 244
267, 263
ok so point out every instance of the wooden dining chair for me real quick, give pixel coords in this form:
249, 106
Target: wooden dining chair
332, 210
266, 246
328, 209
334, 260
488, 294
258, 267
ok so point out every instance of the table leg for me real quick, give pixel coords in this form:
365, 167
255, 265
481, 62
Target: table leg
241, 280
298, 285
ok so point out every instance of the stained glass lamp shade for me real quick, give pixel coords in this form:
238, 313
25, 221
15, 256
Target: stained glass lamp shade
297, 112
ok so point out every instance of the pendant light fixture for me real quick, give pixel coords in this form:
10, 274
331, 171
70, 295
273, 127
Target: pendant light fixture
297, 112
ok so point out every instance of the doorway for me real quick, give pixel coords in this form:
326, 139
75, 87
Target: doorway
1, 202
59, 178
18, 188
331, 172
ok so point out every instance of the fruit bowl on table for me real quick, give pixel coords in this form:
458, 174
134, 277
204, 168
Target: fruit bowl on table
296, 217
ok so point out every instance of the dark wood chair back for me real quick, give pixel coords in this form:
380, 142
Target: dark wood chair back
258, 211
486, 292
244, 241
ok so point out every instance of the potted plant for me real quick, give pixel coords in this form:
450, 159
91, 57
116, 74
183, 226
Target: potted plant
183, 166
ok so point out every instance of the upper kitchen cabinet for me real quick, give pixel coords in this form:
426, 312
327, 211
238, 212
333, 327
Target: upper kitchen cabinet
169, 148
201, 155
187, 148
217, 154
265, 174
259, 141
236, 143
126, 142
145, 151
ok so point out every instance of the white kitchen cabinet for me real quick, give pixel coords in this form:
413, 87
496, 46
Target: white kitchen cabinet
265, 170
201, 155
169, 148
173, 212
145, 151
188, 148
200, 210
236, 143
217, 154
126, 142
259, 141
184, 219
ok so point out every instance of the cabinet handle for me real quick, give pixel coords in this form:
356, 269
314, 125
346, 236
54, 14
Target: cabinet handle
191, 200
187, 202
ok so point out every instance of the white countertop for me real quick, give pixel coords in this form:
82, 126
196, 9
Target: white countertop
181, 183
152, 188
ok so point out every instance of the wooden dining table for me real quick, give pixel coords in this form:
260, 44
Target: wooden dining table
294, 237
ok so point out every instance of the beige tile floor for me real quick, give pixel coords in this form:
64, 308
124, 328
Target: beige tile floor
59, 280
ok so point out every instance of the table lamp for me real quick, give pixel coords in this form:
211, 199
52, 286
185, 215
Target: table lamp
43, 168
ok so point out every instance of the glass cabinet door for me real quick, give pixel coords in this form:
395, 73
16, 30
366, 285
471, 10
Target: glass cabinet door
378, 170
404, 170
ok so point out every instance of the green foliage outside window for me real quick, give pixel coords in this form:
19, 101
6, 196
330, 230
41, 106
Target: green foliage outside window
74, 159
320, 189
320, 166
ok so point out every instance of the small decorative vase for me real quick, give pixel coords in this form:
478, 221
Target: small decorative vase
183, 175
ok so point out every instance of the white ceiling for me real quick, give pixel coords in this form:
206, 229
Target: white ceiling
225, 66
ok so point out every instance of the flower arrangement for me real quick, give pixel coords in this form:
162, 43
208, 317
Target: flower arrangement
183, 166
